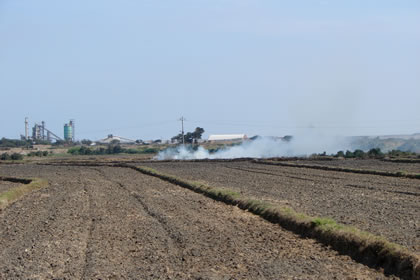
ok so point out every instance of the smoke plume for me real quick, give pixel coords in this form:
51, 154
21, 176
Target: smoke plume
262, 147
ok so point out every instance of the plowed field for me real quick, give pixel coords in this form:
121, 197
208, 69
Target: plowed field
116, 223
367, 164
386, 206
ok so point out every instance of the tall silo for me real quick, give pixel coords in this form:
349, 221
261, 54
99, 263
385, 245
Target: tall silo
68, 132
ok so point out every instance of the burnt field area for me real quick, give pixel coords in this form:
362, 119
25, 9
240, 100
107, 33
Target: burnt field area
385, 206
97, 222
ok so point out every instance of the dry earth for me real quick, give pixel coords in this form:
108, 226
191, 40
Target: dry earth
116, 223
386, 206
367, 164
6, 185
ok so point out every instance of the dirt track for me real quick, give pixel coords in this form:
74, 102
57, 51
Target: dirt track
114, 223
385, 206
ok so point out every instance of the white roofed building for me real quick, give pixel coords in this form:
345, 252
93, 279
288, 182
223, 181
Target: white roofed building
227, 137
111, 138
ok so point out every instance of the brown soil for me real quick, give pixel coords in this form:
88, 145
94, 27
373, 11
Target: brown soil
367, 164
116, 223
5, 186
385, 206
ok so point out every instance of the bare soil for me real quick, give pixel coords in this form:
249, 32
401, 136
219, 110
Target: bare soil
385, 206
5, 186
367, 164
116, 223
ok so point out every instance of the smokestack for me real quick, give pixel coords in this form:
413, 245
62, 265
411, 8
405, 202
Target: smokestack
26, 129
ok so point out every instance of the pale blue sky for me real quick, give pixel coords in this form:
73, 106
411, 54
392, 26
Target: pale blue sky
132, 68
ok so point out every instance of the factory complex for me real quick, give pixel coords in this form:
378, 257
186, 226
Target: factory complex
41, 133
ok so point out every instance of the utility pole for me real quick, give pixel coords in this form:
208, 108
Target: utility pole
182, 119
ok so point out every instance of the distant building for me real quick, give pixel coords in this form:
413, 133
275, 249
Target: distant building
227, 137
112, 138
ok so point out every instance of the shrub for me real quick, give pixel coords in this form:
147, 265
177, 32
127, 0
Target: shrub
5, 156
16, 156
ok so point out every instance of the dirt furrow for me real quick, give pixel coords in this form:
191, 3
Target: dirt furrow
311, 174
223, 242
283, 174
90, 221
126, 241
42, 235
388, 207
116, 223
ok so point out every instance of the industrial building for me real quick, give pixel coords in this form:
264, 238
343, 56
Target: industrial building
69, 131
41, 133
112, 138
227, 137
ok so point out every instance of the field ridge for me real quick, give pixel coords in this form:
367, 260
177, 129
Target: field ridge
14, 194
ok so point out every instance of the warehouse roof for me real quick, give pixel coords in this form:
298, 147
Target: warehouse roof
227, 137
111, 138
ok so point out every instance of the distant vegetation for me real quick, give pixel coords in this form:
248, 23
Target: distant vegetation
110, 150
38, 154
375, 153
189, 137
14, 143
14, 156
404, 145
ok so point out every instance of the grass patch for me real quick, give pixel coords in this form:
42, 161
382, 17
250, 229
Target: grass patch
325, 223
364, 247
14, 194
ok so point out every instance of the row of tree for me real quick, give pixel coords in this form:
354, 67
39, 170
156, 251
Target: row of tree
111, 149
14, 143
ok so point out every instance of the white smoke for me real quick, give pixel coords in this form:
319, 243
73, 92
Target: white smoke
262, 147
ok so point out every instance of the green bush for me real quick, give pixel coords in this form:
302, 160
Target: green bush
38, 154
16, 156
5, 156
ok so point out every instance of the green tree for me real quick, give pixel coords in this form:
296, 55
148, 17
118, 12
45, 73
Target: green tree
340, 154
189, 137
349, 154
86, 142
16, 156
359, 154
375, 153
198, 132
